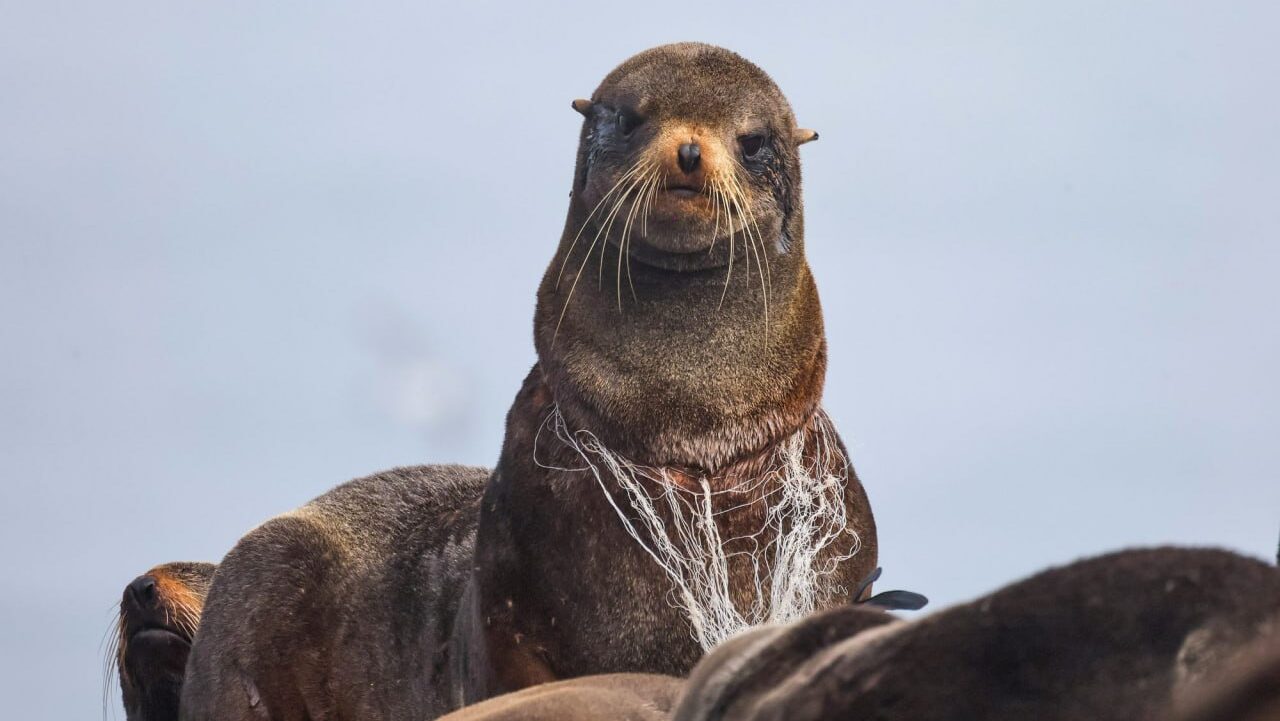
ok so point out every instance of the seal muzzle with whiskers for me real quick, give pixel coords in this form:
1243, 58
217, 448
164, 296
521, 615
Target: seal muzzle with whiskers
158, 617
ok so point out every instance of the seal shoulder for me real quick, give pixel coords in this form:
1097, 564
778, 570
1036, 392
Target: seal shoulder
329, 592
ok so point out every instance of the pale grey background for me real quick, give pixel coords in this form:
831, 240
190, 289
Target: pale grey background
253, 249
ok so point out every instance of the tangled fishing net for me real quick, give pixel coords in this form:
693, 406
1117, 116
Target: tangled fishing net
805, 534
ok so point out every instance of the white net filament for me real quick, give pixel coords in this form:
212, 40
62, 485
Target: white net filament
803, 538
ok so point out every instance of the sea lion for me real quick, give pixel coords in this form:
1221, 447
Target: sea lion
159, 613
667, 479
1113, 638
681, 362
608, 697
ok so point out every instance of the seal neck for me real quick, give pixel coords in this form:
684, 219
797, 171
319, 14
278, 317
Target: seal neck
682, 368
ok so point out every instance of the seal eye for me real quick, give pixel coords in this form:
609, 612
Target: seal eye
628, 121
752, 144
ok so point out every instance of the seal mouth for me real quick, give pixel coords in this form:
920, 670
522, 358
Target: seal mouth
155, 655
684, 191
158, 635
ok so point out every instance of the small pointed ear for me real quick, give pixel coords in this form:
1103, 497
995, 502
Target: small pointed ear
582, 105
804, 135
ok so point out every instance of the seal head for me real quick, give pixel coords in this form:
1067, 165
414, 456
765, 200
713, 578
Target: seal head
159, 614
701, 145
678, 319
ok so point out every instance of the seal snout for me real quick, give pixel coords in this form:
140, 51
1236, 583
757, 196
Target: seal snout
154, 601
141, 602
142, 591
689, 156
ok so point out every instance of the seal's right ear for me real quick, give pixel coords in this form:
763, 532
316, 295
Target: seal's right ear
804, 135
582, 105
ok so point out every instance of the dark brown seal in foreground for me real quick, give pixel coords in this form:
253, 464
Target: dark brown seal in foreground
1113, 638
159, 614
680, 347
609, 697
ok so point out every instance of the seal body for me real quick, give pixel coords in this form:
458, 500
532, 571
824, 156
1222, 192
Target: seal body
679, 331
159, 613
611, 697
1112, 638
562, 590
341, 609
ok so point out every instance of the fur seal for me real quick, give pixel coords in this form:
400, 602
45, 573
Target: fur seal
159, 613
681, 362
610, 697
1111, 638
667, 477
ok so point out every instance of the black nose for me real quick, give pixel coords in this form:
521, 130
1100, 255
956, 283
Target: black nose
143, 590
689, 154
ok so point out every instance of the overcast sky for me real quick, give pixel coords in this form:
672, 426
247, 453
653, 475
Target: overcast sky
250, 250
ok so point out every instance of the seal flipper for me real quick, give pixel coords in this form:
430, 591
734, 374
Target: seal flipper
888, 600
897, 601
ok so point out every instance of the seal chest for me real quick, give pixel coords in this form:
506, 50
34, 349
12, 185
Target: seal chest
678, 519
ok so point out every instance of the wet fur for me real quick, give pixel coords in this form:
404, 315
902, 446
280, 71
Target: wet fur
1113, 638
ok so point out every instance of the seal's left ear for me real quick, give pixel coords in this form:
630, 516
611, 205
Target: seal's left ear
804, 135
582, 105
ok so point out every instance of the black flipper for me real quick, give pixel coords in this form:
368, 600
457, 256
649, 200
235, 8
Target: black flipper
889, 600
898, 601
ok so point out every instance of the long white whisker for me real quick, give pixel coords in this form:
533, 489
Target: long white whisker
578, 276
607, 226
729, 273
757, 242
626, 235
587, 221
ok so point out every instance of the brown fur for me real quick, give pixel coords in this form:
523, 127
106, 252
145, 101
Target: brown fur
613, 697
687, 373
341, 609
1107, 639
680, 368
1248, 690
